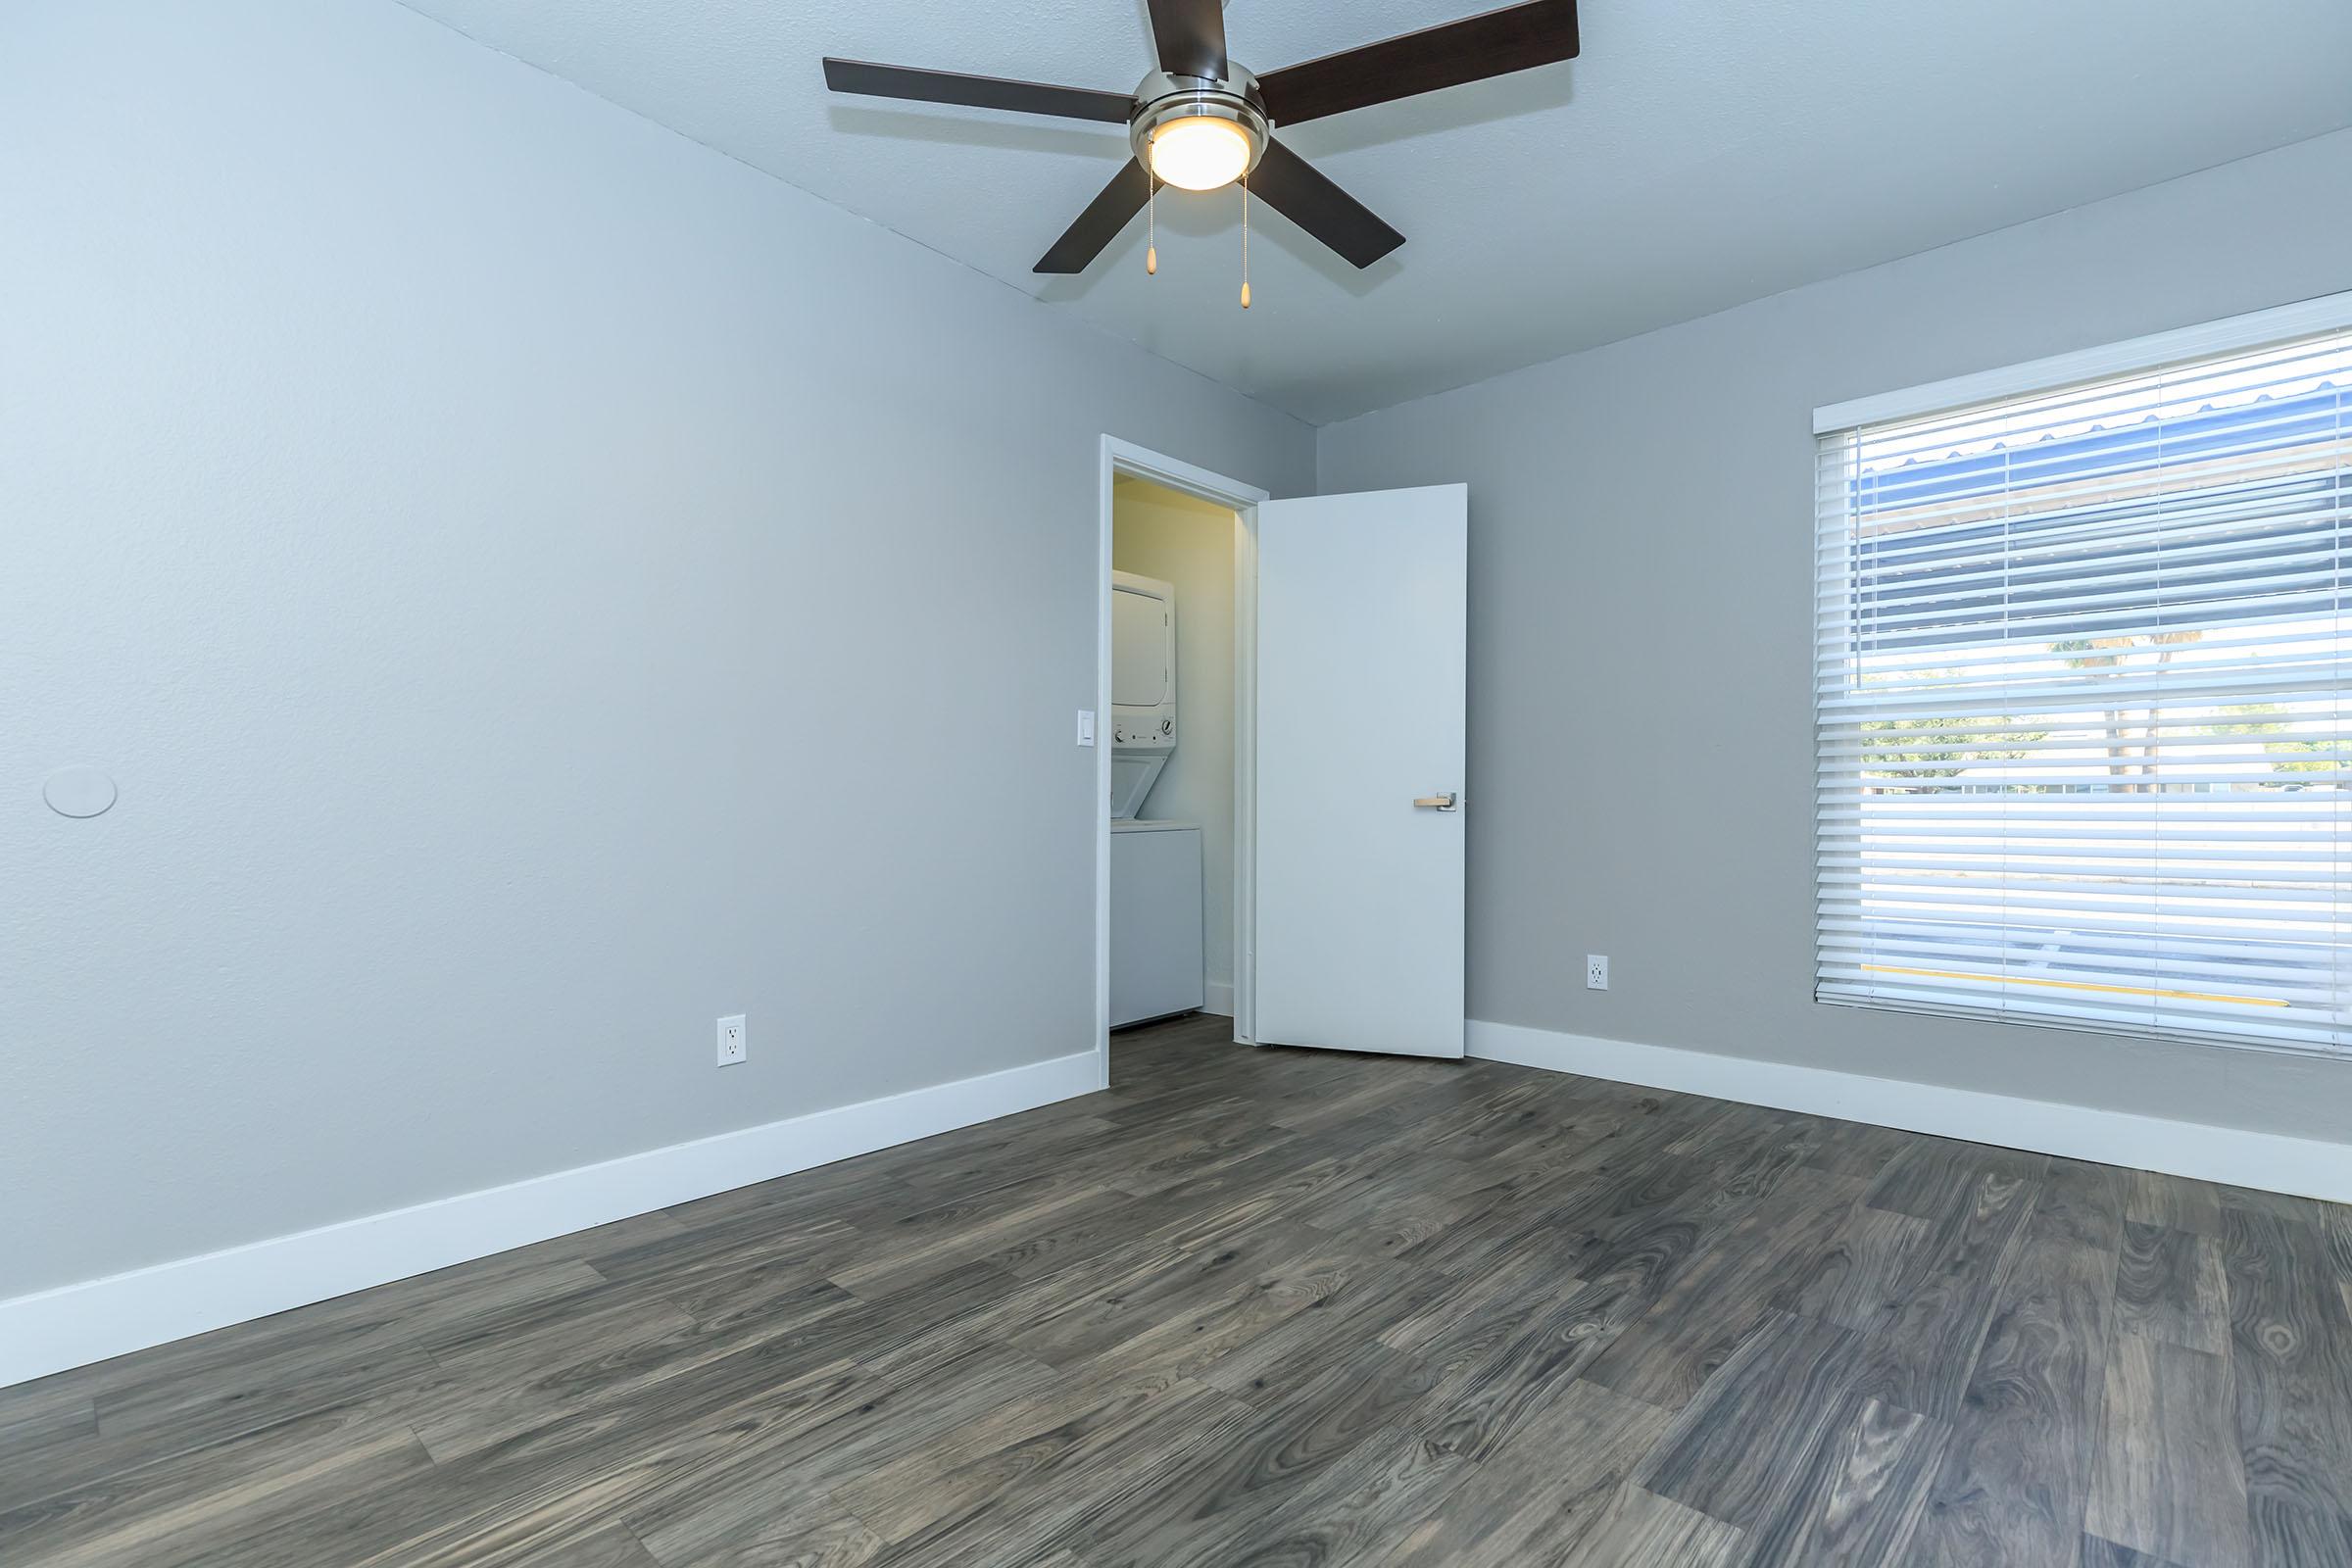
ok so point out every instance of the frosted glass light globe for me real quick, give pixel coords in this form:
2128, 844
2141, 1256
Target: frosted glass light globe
1200, 152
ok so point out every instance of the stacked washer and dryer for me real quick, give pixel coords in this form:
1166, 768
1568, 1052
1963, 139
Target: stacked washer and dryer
1155, 956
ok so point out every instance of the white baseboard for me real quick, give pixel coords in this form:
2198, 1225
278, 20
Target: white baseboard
2267, 1160
1219, 994
77, 1324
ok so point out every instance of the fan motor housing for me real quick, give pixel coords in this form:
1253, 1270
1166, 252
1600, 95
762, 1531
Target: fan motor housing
1164, 96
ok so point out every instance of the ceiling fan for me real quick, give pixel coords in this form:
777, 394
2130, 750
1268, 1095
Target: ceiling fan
1200, 121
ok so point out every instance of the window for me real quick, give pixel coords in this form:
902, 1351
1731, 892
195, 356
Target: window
2080, 680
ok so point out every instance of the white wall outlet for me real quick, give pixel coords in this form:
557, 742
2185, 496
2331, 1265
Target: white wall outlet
1597, 971
734, 1041
1086, 726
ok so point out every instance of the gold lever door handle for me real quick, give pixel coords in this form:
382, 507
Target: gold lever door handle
1436, 803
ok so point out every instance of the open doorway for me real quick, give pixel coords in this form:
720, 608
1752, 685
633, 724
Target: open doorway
1176, 725
1171, 765
1348, 635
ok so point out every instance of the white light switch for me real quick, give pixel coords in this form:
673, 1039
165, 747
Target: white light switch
1086, 726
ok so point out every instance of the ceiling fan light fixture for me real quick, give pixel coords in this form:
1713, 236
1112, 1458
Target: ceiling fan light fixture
1199, 121
1200, 152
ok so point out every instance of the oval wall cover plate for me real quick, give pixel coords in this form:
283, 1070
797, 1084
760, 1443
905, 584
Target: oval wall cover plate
78, 792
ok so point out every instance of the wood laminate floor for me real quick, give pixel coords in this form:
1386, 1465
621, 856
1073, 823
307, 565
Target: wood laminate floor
1281, 1308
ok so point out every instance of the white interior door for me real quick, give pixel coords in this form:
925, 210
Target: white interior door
1361, 692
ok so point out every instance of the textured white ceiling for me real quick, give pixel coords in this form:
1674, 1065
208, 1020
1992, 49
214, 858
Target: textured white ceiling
1698, 154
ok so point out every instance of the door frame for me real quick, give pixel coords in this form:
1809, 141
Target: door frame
1141, 462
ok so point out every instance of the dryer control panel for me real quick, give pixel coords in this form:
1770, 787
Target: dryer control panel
1144, 731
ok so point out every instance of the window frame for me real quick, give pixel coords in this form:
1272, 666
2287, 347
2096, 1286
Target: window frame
2052, 374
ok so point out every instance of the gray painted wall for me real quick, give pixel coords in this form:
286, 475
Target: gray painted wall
1640, 633
540, 585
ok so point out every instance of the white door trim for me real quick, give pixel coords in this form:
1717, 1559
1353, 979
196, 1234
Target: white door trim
1141, 462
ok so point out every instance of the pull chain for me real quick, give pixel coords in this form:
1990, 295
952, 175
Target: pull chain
1245, 185
1152, 225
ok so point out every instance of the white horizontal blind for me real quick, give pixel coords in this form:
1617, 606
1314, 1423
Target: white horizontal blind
2081, 686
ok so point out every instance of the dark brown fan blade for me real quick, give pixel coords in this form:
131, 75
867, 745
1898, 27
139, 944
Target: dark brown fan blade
1190, 35
1473, 49
1291, 186
1101, 223
980, 92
